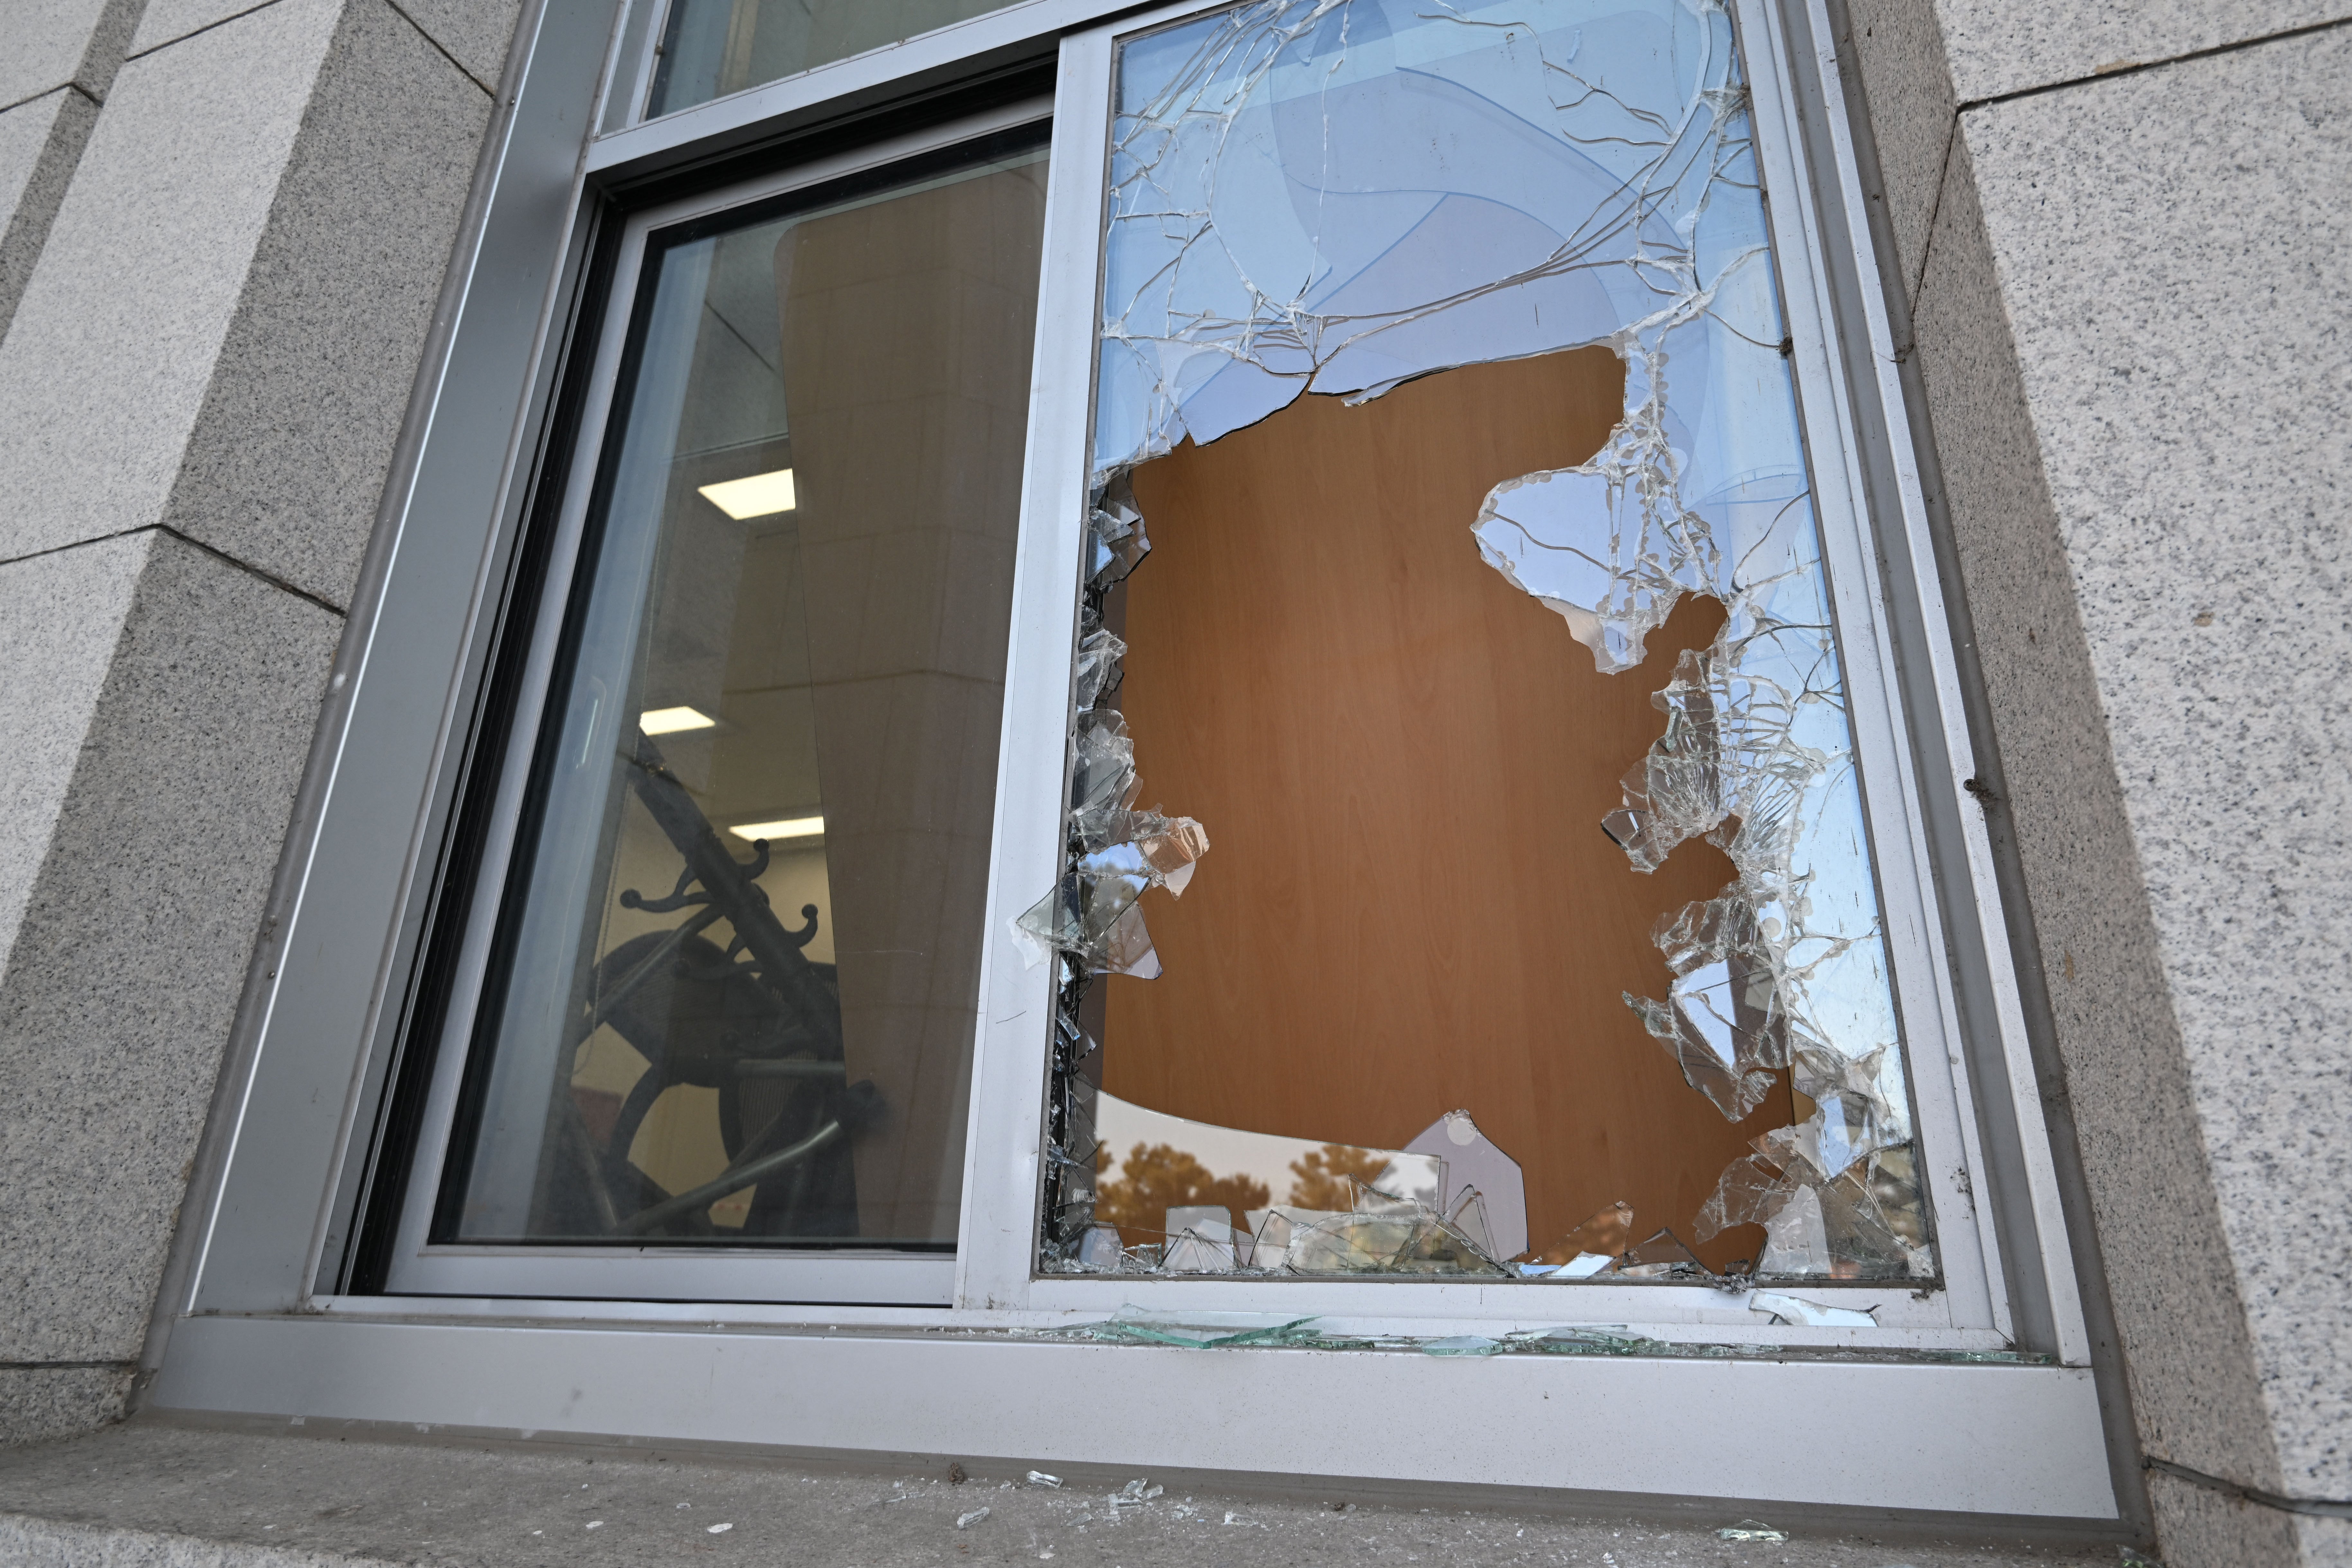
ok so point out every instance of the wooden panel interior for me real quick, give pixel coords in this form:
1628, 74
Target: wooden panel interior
1403, 762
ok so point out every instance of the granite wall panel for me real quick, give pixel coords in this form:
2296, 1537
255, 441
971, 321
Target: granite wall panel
119, 991
287, 456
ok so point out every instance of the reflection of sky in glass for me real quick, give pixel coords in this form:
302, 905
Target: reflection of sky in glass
1337, 195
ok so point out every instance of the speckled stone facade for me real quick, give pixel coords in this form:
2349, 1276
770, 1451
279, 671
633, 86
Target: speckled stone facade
2127, 296
225, 234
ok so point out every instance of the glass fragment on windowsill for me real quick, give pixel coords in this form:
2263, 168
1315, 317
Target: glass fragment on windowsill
1606, 1235
1198, 1331
1268, 1331
1663, 1256
1410, 1238
1812, 1314
1485, 1192
1461, 1345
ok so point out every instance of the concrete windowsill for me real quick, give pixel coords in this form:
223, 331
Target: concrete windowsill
149, 1492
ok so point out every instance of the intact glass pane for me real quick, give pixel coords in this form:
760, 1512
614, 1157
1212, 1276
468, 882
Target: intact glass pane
712, 47
1455, 571
739, 957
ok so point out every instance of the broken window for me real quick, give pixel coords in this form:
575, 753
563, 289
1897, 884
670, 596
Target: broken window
731, 996
1453, 570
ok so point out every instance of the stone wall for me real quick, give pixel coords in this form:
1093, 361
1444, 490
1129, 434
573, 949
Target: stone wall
225, 229
2118, 229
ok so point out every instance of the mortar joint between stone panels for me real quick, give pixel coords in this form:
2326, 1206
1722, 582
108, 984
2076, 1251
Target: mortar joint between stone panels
214, 552
252, 571
110, 44
1927, 235
400, 11
198, 32
67, 1365
2320, 1508
2135, 67
8, 561
13, 104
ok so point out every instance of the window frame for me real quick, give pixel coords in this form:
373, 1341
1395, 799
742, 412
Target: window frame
415, 1266
260, 1316
1972, 1309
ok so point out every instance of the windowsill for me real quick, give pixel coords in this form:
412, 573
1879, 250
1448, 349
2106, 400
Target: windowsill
144, 1491
1630, 1425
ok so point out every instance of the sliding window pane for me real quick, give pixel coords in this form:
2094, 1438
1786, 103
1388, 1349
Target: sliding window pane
712, 47
1478, 614
739, 956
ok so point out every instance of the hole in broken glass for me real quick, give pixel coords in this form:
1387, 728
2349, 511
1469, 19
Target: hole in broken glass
1519, 252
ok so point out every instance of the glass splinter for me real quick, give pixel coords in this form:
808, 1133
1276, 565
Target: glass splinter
1662, 1256
1590, 1249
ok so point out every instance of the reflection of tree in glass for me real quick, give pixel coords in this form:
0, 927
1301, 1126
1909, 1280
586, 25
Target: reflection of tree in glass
1151, 1181
1327, 1178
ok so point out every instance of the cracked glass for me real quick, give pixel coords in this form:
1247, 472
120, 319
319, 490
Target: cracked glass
1453, 569
739, 948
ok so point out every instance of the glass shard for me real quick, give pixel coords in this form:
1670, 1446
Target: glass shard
1201, 1239
1584, 1341
1589, 1249
1721, 1021
1797, 1238
1097, 670
1663, 1256
1396, 1238
1481, 1181
1809, 1314
1197, 1330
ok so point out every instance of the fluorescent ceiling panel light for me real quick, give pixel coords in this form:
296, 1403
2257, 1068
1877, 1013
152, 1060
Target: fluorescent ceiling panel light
761, 495
789, 827
670, 720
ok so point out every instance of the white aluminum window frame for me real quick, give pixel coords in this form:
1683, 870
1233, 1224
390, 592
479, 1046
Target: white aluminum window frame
256, 1323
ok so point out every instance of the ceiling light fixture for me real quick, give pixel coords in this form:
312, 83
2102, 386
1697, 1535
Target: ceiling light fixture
670, 720
789, 827
761, 495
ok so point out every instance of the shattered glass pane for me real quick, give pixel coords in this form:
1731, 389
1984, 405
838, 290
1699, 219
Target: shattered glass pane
1860, 1221
1339, 196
